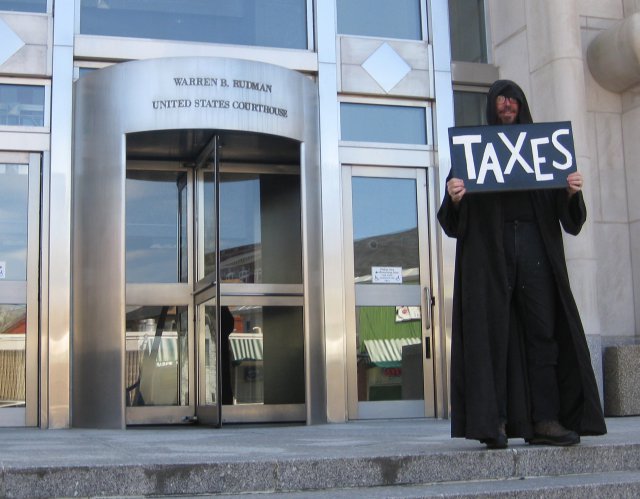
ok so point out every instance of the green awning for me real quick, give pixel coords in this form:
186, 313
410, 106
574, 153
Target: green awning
379, 323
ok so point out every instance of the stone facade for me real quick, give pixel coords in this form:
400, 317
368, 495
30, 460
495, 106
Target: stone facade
543, 45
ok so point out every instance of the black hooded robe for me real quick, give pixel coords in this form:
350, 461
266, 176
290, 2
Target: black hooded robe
486, 338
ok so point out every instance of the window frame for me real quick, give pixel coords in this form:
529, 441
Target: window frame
30, 82
429, 130
487, 36
150, 43
424, 27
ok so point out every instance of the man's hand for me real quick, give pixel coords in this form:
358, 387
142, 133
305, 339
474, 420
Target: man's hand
575, 182
456, 189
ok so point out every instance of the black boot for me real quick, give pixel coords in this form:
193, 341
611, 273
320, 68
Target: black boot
500, 441
553, 433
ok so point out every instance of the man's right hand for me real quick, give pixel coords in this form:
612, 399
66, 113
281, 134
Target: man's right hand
455, 188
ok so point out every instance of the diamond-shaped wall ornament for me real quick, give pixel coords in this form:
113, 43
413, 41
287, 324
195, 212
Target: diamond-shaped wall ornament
386, 67
11, 42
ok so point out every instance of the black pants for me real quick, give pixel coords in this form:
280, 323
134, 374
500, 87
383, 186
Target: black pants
532, 290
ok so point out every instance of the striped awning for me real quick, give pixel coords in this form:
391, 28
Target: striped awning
245, 346
388, 352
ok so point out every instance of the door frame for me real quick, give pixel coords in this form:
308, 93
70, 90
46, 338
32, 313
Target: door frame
379, 410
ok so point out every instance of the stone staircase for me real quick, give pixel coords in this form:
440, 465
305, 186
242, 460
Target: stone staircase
372, 459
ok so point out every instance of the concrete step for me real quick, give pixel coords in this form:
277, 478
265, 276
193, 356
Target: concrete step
475, 469
594, 486
361, 459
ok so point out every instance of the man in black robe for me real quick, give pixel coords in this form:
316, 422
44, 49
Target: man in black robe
520, 365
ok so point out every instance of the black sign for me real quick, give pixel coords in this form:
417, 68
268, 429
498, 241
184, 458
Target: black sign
512, 157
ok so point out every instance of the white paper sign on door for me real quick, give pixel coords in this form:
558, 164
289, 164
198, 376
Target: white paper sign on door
407, 313
386, 275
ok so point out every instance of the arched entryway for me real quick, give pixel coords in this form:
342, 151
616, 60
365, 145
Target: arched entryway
195, 181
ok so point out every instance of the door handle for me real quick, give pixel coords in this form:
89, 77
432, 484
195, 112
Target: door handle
427, 321
427, 306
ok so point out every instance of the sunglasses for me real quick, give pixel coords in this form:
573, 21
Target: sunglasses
501, 99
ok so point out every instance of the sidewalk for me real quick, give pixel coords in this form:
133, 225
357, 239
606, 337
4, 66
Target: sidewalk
240, 458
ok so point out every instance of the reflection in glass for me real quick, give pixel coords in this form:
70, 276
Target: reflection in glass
24, 5
260, 230
388, 124
14, 197
21, 105
183, 221
13, 329
385, 227
470, 108
207, 323
265, 352
389, 342
209, 215
468, 33
380, 18
155, 227
268, 23
157, 356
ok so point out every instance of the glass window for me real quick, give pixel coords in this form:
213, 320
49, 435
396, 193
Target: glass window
155, 227
21, 105
470, 108
157, 356
467, 28
375, 123
385, 227
260, 230
24, 5
380, 18
263, 356
268, 23
14, 198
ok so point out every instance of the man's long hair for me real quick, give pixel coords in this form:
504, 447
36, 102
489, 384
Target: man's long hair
511, 89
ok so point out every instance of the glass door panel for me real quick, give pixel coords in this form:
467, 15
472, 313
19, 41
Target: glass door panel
220, 241
389, 343
390, 369
14, 210
159, 346
385, 231
157, 356
265, 355
260, 228
19, 288
208, 315
156, 227
262, 355
207, 288
208, 230
13, 322
208, 406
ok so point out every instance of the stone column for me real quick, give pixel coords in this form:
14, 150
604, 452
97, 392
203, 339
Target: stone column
556, 66
538, 44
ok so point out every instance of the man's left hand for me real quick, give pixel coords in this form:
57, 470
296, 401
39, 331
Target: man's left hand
575, 182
